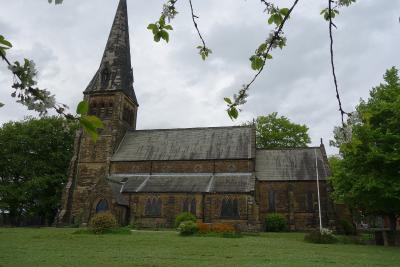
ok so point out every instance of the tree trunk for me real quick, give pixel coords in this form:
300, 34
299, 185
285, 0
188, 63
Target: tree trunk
393, 222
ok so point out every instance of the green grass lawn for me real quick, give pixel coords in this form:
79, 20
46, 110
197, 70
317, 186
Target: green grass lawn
60, 247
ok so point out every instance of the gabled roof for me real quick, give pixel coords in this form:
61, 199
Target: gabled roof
115, 71
187, 144
187, 183
290, 164
116, 184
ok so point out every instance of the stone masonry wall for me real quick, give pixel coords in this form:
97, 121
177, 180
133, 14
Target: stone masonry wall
208, 209
297, 201
195, 166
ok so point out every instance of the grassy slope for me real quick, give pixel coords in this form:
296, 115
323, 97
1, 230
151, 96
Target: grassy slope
58, 247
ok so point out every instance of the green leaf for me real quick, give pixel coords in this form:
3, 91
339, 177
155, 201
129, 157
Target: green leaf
1, 105
228, 100
157, 36
256, 62
83, 108
284, 11
90, 125
262, 48
151, 26
4, 42
271, 20
95, 121
268, 56
168, 27
89, 128
164, 35
233, 113
162, 21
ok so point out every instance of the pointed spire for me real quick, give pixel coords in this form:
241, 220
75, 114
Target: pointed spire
115, 71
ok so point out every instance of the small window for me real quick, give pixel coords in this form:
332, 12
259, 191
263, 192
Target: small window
105, 77
229, 208
189, 206
193, 207
102, 206
153, 207
310, 201
271, 201
110, 109
185, 207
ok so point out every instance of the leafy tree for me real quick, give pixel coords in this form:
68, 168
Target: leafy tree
367, 176
34, 159
273, 131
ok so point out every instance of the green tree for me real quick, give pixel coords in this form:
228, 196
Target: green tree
367, 176
273, 131
34, 159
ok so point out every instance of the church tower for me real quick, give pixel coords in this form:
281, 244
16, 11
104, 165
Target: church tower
111, 97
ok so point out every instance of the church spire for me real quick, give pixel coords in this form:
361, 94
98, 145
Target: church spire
115, 71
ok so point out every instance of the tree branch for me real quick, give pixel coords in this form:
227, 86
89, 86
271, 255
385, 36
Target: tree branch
194, 17
275, 37
331, 24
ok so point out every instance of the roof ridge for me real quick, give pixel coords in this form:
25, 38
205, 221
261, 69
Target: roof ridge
191, 128
288, 148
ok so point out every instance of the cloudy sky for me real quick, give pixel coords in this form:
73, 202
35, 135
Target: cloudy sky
175, 88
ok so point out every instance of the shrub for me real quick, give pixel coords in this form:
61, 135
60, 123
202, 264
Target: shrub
325, 236
346, 227
203, 228
275, 223
188, 228
102, 222
222, 228
184, 217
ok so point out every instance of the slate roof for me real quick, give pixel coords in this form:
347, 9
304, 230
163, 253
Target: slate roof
290, 164
116, 61
236, 142
116, 184
188, 182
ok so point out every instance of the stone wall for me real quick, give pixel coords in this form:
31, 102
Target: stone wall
90, 165
208, 209
297, 201
188, 166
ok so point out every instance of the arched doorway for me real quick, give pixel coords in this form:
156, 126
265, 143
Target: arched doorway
102, 206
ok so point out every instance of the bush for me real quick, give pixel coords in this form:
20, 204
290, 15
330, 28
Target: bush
347, 228
203, 228
188, 228
222, 228
325, 236
102, 222
275, 223
184, 217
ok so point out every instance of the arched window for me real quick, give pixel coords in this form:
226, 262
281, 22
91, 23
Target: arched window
93, 108
153, 207
185, 205
189, 205
102, 206
230, 208
101, 110
193, 206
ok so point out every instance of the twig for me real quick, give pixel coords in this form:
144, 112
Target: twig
342, 112
58, 109
274, 37
194, 17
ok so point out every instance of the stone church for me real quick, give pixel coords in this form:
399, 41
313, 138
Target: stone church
147, 177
